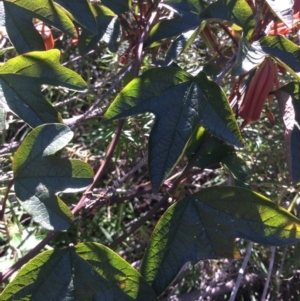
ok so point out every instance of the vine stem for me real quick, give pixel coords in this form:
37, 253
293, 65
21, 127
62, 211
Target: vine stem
241, 272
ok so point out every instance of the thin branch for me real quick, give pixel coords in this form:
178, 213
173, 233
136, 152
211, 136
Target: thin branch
241, 272
103, 96
120, 181
101, 170
270, 269
10, 147
279, 273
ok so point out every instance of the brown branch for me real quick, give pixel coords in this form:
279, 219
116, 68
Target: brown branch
101, 170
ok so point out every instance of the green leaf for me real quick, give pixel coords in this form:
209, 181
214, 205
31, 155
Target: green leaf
249, 56
237, 168
214, 150
40, 175
89, 271
18, 19
186, 19
117, 6
21, 30
234, 11
108, 30
21, 78
286, 52
283, 10
204, 225
180, 44
180, 103
82, 12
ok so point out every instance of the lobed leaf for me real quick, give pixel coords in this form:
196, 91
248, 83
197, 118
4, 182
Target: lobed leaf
20, 28
237, 168
81, 11
40, 175
88, 271
181, 43
234, 11
204, 225
185, 19
283, 10
180, 103
20, 81
213, 149
108, 25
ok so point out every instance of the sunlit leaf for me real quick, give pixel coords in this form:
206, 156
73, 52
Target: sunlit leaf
180, 103
204, 225
283, 10
285, 51
21, 79
40, 175
88, 271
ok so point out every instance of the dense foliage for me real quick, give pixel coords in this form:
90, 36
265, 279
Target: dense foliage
206, 91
